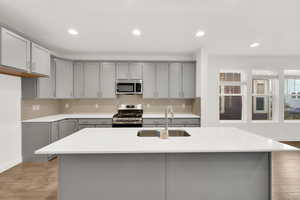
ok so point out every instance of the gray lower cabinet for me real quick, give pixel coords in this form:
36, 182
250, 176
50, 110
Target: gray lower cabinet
177, 122
35, 136
67, 127
95, 123
169, 176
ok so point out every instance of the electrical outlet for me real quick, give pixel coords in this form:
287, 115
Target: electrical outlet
67, 105
183, 106
33, 107
37, 107
148, 105
96, 105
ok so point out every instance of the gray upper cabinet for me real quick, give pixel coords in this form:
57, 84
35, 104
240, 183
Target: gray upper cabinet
135, 70
122, 71
107, 80
91, 80
64, 78
182, 80
188, 80
156, 80
46, 85
40, 60
94, 80
15, 50
149, 80
78, 80
129, 70
175, 81
43, 88
162, 80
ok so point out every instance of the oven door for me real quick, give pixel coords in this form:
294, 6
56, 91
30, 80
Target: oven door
125, 88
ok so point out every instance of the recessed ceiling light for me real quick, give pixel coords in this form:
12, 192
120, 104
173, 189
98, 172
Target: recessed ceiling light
136, 32
200, 33
72, 31
255, 44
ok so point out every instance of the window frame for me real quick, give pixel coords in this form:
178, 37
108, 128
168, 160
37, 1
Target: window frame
295, 96
221, 94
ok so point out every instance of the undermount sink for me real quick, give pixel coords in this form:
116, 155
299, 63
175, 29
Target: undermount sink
155, 133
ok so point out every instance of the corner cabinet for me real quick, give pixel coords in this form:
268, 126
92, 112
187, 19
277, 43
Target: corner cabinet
42, 88
64, 78
15, 51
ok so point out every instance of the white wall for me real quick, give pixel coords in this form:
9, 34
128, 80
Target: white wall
279, 130
10, 121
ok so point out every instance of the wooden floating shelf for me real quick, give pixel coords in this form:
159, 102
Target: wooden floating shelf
15, 72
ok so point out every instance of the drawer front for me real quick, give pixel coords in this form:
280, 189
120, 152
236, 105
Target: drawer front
96, 121
149, 125
155, 121
104, 126
82, 126
193, 125
186, 121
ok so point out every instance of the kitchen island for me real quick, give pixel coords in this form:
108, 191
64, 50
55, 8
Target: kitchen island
212, 163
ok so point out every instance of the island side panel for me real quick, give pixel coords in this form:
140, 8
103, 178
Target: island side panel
218, 176
112, 177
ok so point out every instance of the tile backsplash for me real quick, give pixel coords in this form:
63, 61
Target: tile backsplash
49, 107
111, 105
39, 108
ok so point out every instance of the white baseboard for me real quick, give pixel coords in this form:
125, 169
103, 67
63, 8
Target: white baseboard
8, 165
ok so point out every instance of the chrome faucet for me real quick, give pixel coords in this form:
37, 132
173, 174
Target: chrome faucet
168, 110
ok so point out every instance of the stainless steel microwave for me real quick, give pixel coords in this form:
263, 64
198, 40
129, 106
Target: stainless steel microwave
129, 87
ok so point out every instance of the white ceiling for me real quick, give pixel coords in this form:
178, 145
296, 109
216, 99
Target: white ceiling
168, 26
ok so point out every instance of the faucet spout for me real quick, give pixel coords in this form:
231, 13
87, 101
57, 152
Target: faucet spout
168, 110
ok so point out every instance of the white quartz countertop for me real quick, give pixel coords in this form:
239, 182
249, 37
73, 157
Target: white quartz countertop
53, 118
162, 115
125, 140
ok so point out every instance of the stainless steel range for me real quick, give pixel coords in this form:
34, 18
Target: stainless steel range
128, 116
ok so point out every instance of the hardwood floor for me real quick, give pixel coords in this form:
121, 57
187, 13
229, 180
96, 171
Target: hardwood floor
286, 174
30, 181
38, 181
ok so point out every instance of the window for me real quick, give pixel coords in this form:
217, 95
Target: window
292, 95
230, 96
262, 99
263, 88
